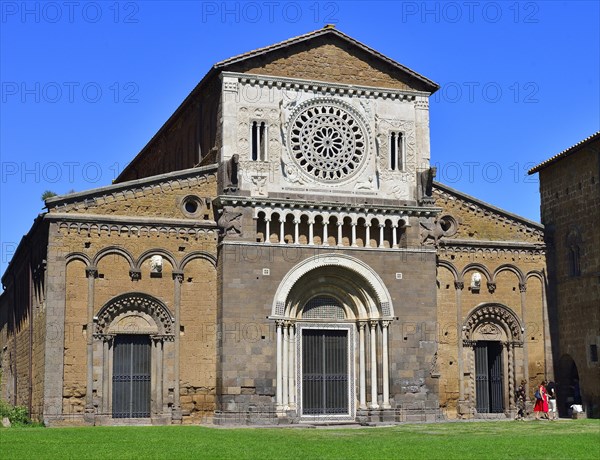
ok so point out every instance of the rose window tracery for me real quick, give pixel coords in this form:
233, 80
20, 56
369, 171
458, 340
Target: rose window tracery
327, 142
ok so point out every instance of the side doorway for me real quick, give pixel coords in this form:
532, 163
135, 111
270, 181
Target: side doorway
131, 379
489, 389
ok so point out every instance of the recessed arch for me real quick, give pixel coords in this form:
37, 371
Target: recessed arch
80, 256
157, 251
365, 275
450, 267
198, 255
509, 268
476, 266
494, 314
132, 303
113, 250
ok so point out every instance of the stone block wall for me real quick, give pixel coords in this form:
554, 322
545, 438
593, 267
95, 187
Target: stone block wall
570, 192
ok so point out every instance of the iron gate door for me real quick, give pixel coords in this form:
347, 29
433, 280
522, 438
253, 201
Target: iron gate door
131, 376
324, 372
488, 377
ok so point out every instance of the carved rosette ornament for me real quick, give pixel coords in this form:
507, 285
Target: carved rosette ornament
327, 140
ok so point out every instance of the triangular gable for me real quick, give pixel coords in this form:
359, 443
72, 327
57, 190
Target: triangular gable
481, 221
328, 55
157, 196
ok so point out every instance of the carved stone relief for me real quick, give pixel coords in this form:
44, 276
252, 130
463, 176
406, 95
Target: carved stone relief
230, 222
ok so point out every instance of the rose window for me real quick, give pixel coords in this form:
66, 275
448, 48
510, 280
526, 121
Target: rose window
327, 142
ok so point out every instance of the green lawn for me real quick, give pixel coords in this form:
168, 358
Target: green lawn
565, 439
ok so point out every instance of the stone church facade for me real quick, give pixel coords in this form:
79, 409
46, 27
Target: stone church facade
278, 253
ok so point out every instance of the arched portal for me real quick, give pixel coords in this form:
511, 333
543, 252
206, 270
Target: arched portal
329, 310
569, 391
492, 339
131, 333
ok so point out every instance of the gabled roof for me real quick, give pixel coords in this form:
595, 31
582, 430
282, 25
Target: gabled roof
327, 30
565, 153
518, 220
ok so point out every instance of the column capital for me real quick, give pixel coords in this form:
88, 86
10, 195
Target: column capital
135, 274
385, 323
373, 323
280, 322
459, 285
178, 276
522, 287
91, 272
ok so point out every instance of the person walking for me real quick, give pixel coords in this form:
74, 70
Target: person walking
551, 389
521, 398
541, 403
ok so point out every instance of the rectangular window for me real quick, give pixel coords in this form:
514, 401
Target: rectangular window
259, 141
396, 151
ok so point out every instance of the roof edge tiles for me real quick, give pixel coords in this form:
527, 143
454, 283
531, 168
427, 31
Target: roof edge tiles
565, 153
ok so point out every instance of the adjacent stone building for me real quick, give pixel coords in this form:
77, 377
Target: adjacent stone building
570, 205
278, 252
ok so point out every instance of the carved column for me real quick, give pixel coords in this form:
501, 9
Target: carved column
510, 356
157, 374
91, 273
340, 223
325, 236
296, 231
279, 389
281, 229
285, 366
395, 236
385, 366
310, 232
458, 287
523, 290
354, 245
107, 342
374, 404
381, 240
177, 280
362, 404
292, 366
267, 230
367, 235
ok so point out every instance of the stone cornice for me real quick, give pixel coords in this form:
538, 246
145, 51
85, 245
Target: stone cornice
324, 206
134, 188
325, 88
474, 205
320, 249
133, 220
491, 244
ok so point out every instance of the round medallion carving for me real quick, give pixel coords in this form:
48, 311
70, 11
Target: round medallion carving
327, 141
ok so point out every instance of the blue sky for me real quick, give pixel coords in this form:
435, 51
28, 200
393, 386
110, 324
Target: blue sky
85, 85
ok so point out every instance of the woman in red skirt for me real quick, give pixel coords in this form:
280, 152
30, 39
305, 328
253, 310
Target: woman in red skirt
541, 405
